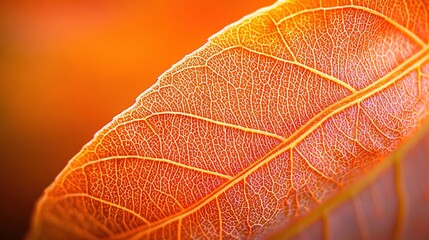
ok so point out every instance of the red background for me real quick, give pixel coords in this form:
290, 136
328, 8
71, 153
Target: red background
68, 67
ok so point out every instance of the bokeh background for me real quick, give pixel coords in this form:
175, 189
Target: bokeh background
68, 67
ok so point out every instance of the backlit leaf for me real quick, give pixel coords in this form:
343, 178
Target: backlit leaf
255, 133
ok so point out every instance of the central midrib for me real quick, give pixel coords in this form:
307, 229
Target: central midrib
390, 78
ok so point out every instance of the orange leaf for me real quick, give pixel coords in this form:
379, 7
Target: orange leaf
276, 116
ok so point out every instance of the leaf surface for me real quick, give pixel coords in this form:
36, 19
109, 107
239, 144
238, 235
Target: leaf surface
390, 202
273, 117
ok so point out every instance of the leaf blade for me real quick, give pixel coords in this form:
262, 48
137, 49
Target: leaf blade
199, 119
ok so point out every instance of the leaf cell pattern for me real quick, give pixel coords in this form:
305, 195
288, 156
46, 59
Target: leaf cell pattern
275, 115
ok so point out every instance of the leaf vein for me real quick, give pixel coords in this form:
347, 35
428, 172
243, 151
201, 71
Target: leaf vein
244, 129
369, 10
298, 136
70, 195
150, 159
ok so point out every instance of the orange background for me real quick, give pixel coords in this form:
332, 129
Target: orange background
68, 67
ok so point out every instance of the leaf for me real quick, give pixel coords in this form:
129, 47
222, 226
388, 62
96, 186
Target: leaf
275, 117
392, 206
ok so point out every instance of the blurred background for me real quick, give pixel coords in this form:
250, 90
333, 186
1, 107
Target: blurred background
68, 67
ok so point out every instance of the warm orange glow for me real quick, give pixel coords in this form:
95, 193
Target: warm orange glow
296, 107
68, 67
284, 111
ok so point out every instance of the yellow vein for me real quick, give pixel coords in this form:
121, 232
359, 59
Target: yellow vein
355, 188
179, 230
369, 10
315, 169
297, 137
233, 126
244, 129
108, 203
403, 69
282, 37
150, 159
313, 70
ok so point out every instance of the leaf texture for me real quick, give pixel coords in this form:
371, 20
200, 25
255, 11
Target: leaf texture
388, 203
273, 117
